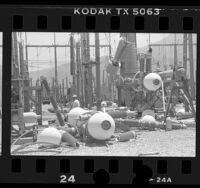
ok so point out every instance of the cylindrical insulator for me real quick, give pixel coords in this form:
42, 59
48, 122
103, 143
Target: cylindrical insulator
120, 48
184, 115
174, 124
66, 137
142, 62
71, 130
129, 57
123, 137
148, 63
117, 114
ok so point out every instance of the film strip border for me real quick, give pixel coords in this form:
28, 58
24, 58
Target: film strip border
93, 169
98, 170
65, 23
63, 19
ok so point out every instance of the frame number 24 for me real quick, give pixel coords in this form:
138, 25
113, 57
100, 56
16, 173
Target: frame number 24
67, 179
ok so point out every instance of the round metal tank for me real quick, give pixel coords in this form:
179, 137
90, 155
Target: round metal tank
152, 81
101, 126
73, 116
50, 135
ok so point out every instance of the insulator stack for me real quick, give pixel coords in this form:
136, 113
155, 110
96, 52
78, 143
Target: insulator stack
142, 62
120, 49
129, 57
148, 63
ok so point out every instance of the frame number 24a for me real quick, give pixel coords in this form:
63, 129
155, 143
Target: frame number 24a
161, 180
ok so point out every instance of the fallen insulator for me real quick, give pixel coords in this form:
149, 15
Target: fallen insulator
122, 126
148, 122
73, 116
30, 117
148, 119
50, 135
71, 130
148, 112
174, 124
179, 126
66, 137
100, 126
123, 137
117, 113
184, 115
189, 123
131, 114
140, 124
128, 122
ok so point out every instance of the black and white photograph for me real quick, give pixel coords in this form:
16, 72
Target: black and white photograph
103, 94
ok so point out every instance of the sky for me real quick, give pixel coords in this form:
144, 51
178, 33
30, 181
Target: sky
46, 55
63, 38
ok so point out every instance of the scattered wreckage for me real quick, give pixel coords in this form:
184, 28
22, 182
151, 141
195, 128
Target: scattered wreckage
83, 125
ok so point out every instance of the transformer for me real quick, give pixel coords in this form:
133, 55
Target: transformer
100, 126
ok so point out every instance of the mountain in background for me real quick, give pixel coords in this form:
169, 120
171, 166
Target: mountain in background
63, 72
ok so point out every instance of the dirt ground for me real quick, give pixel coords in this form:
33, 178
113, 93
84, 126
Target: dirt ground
179, 143
174, 143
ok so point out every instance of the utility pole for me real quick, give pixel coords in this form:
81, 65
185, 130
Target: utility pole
63, 92
56, 71
109, 40
84, 72
90, 96
78, 72
83, 79
53, 87
188, 42
72, 63
185, 51
97, 57
67, 88
25, 77
26, 47
191, 66
175, 51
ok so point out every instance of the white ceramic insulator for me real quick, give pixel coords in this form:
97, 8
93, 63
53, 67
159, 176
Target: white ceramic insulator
148, 119
152, 81
50, 135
